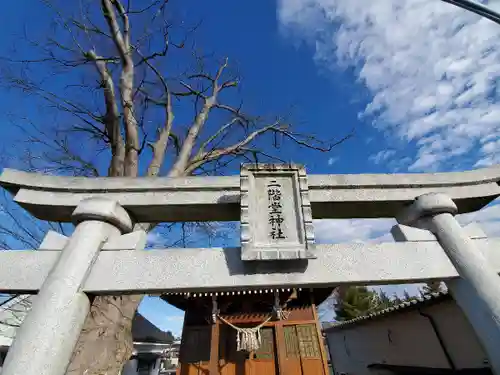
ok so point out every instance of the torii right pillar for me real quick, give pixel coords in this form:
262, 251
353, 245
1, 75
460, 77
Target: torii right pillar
477, 291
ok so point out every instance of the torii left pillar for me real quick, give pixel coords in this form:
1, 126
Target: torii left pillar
45, 342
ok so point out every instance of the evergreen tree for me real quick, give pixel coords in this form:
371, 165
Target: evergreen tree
396, 300
406, 296
384, 300
356, 301
432, 287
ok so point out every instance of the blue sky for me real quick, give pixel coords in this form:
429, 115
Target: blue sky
416, 80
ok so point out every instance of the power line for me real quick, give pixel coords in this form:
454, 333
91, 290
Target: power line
477, 8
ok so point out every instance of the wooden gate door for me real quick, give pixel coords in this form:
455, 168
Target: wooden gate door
231, 362
310, 351
290, 363
263, 361
302, 351
195, 351
260, 362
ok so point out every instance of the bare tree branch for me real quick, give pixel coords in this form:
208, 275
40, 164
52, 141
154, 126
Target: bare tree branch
182, 162
112, 118
122, 43
205, 157
160, 146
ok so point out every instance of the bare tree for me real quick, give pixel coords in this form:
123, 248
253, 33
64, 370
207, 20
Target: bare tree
12, 313
128, 93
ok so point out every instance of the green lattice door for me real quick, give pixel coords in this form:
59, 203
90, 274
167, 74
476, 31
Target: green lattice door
263, 361
302, 350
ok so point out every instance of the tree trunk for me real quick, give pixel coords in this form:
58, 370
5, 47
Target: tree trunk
105, 343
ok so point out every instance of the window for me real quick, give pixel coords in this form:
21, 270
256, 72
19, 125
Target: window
291, 342
266, 349
302, 340
308, 341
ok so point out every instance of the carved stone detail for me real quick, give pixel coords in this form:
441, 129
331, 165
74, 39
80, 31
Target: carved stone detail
276, 217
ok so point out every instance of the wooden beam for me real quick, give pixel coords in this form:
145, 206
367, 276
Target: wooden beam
214, 348
324, 357
279, 339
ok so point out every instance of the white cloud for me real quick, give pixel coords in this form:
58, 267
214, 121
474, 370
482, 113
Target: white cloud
352, 230
431, 67
488, 219
166, 317
154, 239
332, 160
382, 156
378, 230
174, 318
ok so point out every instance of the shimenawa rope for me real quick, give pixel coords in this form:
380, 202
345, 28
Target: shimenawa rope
247, 339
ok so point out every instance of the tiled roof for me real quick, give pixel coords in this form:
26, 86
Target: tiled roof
404, 306
145, 331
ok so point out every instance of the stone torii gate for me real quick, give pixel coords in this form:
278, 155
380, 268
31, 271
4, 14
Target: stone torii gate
276, 205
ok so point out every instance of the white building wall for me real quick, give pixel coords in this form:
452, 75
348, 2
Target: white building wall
130, 367
174, 361
458, 335
407, 339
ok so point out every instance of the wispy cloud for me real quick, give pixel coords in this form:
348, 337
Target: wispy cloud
174, 318
488, 219
381, 156
332, 160
378, 230
154, 239
353, 230
432, 69
162, 315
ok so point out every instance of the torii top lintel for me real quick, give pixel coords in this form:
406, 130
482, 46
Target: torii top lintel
163, 199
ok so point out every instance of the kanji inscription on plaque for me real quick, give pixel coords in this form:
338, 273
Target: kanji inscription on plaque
275, 210
276, 220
